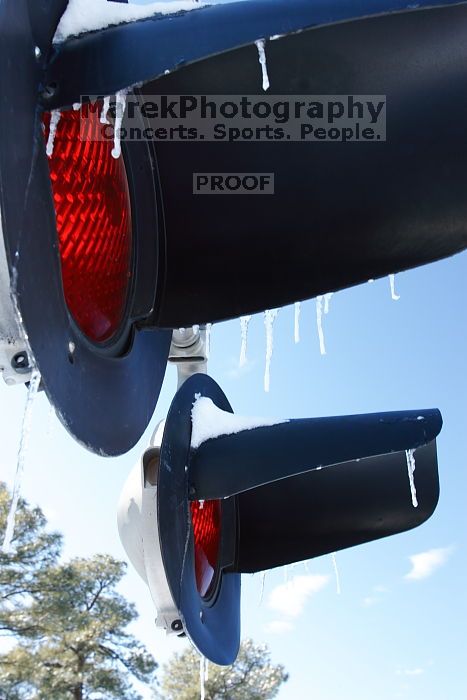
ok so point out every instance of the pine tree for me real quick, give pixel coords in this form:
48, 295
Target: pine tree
251, 677
68, 621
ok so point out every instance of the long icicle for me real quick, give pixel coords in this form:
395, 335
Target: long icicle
260, 45
208, 340
244, 322
336, 573
22, 452
269, 318
410, 470
297, 322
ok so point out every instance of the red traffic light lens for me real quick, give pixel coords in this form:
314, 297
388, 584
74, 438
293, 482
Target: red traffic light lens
206, 520
93, 217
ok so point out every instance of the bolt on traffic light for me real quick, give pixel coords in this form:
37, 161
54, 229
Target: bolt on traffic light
105, 255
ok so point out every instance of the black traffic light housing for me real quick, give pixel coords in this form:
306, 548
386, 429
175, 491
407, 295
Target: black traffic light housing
342, 212
287, 492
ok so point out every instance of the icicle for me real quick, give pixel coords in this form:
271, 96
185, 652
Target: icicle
76, 106
208, 339
202, 677
263, 579
50, 420
201, 504
322, 308
327, 299
319, 322
104, 110
269, 318
54, 119
244, 321
260, 44
120, 102
394, 296
206, 670
410, 469
297, 322
336, 573
23, 448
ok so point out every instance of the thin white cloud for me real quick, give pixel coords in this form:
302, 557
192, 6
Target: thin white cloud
369, 601
290, 598
279, 627
426, 563
410, 671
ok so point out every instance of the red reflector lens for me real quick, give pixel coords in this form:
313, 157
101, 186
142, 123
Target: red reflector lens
93, 216
206, 520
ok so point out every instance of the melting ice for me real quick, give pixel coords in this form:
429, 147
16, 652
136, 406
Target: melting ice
120, 102
22, 452
105, 109
410, 469
297, 322
208, 340
322, 308
392, 284
244, 322
336, 573
260, 45
54, 119
269, 318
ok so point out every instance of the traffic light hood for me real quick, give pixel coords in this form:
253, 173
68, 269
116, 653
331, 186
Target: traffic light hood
341, 213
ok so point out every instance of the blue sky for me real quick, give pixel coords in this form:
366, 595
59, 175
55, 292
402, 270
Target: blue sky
397, 628
386, 635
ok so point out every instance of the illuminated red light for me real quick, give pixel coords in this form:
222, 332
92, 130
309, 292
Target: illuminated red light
206, 520
93, 217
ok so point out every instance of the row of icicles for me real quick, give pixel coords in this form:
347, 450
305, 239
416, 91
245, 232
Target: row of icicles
120, 103
270, 315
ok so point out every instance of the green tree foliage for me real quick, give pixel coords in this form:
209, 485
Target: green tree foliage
34, 549
251, 677
70, 624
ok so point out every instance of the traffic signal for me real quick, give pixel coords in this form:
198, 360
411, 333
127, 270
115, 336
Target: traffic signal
105, 254
216, 496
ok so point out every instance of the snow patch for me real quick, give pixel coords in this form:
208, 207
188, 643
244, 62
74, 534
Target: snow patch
209, 421
83, 16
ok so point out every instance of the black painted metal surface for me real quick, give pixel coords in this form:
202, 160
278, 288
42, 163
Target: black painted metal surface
327, 510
